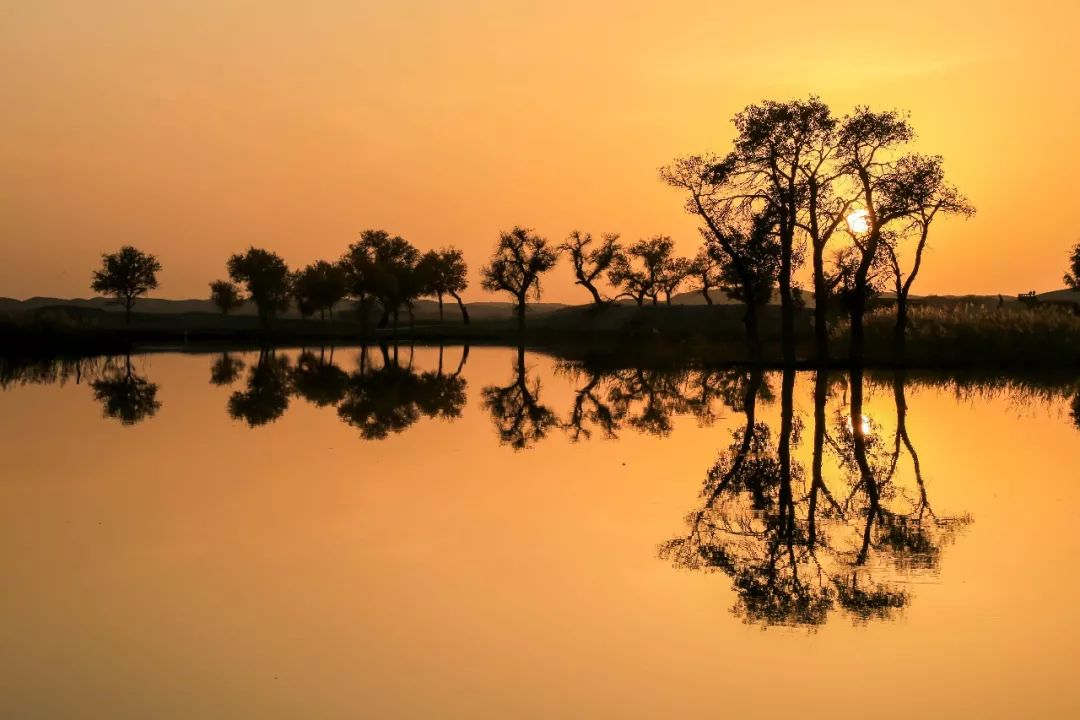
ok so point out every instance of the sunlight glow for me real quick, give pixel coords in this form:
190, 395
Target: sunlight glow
859, 222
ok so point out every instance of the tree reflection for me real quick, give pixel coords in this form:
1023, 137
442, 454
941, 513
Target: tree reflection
226, 369
318, 380
124, 395
390, 398
795, 551
519, 417
266, 397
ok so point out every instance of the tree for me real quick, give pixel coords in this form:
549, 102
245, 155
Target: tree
266, 396
867, 142
675, 272
776, 142
521, 419
591, 263
320, 286
918, 184
443, 272
383, 267
741, 236
267, 279
520, 258
653, 257
125, 275
1072, 278
705, 268
225, 295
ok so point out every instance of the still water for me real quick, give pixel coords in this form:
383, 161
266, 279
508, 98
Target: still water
494, 534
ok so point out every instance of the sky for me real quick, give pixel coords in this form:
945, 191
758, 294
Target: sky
193, 129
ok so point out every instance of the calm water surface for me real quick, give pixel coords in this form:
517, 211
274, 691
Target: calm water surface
497, 535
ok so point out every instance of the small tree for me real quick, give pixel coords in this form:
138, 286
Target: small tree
520, 258
267, 279
591, 263
643, 280
443, 272
320, 286
1072, 278
125, 275
917, 183
676, 270
705, 268
225, 295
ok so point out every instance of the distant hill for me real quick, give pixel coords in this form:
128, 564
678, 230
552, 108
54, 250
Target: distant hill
424, 309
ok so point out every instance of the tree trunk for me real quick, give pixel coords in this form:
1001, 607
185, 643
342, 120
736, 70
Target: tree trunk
787, 303
900, 331
385, 319
858, 309
597, 299
127, 311
520, 309
821, 306
821, 394
753, 338
461, 305
705, 292
440, 309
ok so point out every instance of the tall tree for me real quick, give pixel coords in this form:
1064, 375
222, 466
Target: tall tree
225, 295
1072, 277
774, 143
320, 286
639, 271
520, 258
443, 272
917, 183
868, 145
125, 275
590, 263
267, 279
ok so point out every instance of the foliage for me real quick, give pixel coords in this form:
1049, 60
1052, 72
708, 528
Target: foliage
225, 295
267, 279
125, 275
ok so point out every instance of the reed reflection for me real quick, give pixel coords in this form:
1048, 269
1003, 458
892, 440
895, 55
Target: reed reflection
798, 550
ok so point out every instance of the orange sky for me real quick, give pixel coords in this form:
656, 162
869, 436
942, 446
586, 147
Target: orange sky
193, 128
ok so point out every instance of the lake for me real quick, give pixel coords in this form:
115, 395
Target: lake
426, 533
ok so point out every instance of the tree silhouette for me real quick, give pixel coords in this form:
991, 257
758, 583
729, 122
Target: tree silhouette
1075, 411
267, 279
125, 396
125, 275
226, 369
917, 182
705, 268
266, 397
1072, 277
383, 267
520, 258
319, 287
590, 263
519, 417
675, 273
741, 239
225, 295
443, 272
640, 271
868, 141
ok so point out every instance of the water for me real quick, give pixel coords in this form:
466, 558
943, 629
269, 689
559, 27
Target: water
201, 535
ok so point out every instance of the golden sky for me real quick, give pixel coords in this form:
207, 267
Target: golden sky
193, 128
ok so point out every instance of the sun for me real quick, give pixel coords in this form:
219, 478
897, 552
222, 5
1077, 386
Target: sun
859, 222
